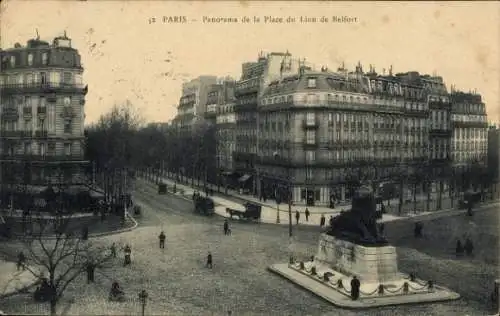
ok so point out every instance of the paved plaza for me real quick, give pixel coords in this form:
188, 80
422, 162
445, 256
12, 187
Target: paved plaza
179, 284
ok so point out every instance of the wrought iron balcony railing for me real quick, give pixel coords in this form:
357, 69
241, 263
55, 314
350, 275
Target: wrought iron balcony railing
27, 110
42, 158
41, 110
42, 85
41, 134
67, 112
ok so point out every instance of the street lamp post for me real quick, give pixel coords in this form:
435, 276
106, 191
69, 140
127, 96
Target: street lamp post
290, 196
278, 200
143, 297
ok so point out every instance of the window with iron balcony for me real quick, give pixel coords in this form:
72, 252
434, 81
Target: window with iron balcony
311, 82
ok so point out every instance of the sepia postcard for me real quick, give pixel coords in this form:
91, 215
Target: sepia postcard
249, 158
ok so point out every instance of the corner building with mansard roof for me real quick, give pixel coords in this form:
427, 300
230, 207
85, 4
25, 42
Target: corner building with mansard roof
321, 132
42, 115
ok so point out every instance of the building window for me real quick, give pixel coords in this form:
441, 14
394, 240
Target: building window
67, 101
43, 77
67, 78
29, 78
311, 83
309, 174
45, 58
27, 125
310, 156
51, 148
30, 59
311, 118
12, 61
67, 127
67, 149
41, 101
310, 137
41, 124
43, 150
312, 99
27, 148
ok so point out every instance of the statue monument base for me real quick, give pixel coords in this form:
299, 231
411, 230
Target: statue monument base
337, 261
370, 264
353, 247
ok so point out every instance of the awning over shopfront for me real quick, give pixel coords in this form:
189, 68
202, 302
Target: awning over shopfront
244, 178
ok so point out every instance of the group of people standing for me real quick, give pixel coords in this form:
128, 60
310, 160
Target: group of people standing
467, 247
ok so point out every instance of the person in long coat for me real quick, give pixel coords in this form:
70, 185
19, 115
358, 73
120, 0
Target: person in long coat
459, 249
322, 221
162, 238
355, 285
307, 213
209, 261
469, 247
128, 252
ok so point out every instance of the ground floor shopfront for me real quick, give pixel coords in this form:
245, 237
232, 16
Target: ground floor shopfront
321, 194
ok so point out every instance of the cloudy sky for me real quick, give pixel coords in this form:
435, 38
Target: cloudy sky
127, 58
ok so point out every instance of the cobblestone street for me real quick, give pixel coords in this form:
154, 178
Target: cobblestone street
179, 284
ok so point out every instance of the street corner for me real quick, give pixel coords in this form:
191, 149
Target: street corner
129, 225
13, 280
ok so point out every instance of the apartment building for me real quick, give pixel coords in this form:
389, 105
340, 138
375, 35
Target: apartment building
42, 114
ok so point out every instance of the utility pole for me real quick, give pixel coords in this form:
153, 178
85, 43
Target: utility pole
124, 193
93, 173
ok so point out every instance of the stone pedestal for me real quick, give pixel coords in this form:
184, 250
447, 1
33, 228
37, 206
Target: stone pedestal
369, 264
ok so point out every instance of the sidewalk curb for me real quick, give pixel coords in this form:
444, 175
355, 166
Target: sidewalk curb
444, 213
119, 231
226, 196
22, 290
108, 233
437, 214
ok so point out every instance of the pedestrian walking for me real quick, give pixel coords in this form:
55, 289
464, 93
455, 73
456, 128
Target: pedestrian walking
459, 249
469, 210
90, 272
21, 261
307, 214
227, 230
297, 216
469, 247
113, 250
128, 251
331, 220
209, 260
85, 233
417, 230
162, 237
355, 285
381, 228
322, 221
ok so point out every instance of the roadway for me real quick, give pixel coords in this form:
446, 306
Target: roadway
179, 284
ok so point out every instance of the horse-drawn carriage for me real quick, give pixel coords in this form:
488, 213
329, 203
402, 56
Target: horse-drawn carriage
203, 205
469, 199
252, 211
162, 188
137, 210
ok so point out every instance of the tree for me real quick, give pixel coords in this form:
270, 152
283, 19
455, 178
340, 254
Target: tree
417, 178
53, 248
111, 145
